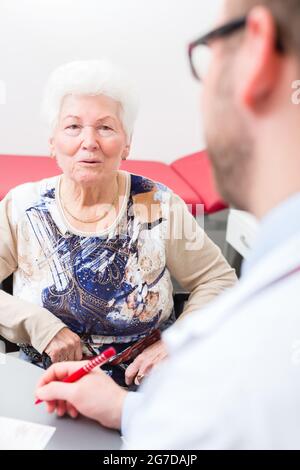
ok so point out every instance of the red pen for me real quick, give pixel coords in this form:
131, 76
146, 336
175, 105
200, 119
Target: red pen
97, 361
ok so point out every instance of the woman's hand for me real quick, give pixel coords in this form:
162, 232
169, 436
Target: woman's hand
65, 346
144, 362
95, 395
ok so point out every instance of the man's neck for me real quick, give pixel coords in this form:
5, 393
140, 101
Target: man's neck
276, 169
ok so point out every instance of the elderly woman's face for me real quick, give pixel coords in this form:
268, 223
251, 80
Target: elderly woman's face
89, 140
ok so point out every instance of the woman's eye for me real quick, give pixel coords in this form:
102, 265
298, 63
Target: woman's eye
73, 130
105, 131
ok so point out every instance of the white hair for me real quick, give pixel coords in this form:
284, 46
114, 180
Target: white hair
90, 77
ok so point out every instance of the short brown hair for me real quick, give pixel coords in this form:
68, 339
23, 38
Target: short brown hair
286, 14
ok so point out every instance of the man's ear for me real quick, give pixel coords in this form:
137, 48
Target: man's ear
259, 68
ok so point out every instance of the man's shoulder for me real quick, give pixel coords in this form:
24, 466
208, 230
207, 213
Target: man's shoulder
242, 317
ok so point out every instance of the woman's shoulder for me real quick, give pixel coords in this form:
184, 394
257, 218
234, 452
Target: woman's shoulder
27, 194
141, 184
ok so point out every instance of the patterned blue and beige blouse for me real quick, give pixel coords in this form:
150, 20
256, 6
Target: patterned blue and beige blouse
109, 287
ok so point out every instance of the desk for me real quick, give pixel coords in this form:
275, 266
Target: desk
17, 383
242, 229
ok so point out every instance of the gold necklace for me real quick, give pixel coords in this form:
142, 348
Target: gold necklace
92, 221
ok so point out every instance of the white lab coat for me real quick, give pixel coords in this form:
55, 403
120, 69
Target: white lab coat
233, 377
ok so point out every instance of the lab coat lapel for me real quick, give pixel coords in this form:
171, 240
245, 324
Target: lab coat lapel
202, 324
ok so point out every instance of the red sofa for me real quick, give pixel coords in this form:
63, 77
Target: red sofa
189, 177
196, 170
17, 169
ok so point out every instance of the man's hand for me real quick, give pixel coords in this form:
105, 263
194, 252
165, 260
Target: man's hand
65, 346
95, 395
144, 362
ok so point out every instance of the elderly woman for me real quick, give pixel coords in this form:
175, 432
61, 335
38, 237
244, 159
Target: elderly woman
93, 250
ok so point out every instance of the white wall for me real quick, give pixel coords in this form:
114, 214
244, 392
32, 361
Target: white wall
147, 37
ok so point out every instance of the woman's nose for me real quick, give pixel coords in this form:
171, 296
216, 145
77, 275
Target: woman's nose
90, 140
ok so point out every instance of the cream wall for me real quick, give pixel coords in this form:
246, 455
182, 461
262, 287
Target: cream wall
147, 37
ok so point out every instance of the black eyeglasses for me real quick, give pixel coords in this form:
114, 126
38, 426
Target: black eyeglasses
198, 55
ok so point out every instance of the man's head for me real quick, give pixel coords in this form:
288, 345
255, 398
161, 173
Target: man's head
251, 123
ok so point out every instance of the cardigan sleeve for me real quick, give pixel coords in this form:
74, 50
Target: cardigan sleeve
193, 259
20, 321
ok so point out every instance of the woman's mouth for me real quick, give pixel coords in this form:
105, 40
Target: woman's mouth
90, 162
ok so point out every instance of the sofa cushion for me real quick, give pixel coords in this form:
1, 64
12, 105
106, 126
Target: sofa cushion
196, 170
17, 169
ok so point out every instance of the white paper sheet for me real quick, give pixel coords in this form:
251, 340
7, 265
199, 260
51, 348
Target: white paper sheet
22, 435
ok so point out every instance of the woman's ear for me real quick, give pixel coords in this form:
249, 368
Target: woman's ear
126, 150
125, 154
52, 148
